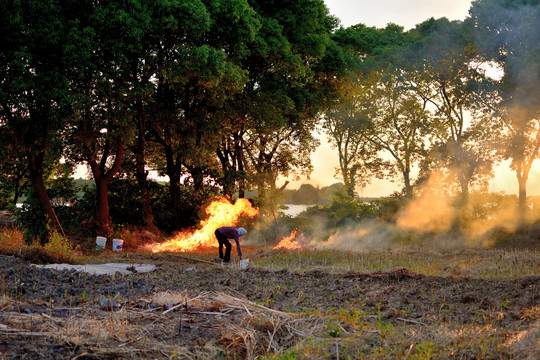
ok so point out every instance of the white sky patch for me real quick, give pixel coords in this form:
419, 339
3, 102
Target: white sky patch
407, 13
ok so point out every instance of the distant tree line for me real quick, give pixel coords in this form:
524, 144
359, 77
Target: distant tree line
225, 96
308, 194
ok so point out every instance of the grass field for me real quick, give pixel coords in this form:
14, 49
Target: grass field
402, 302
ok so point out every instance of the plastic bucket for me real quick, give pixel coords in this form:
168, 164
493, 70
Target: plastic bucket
100, 242
244, 264
117, 244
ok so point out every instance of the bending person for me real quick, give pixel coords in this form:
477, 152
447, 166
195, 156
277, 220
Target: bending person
223, 234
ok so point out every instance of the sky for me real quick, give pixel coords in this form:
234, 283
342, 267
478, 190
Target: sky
407, 13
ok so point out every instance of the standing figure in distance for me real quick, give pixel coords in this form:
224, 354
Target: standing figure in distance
223, 234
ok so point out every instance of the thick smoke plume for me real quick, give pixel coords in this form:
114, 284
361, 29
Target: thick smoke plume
431, 218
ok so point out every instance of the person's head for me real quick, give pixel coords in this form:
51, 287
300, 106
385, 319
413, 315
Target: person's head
242, 231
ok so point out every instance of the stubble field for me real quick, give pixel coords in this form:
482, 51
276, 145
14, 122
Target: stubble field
309, 304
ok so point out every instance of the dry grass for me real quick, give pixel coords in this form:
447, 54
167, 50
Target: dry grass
477, 263
226, 325
526, 344
11, 239
58, 249
133, 331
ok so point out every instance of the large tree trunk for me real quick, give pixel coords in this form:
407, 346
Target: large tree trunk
102, 210
242, 184
407, 181
173, 169
141, 174
522, 199
349, 187
225, 157
102, 178
35, 167
232, 164
407, 178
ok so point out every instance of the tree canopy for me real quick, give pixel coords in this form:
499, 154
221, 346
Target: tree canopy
223, 97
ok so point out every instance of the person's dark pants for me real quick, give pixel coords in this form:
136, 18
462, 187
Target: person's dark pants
223, 241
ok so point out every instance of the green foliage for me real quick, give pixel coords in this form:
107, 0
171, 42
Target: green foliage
310, 195
60, 248
389, 206
63, 191
6, 194
170, 83
345, 207
33, 220
333, 329
424, 351
126, 209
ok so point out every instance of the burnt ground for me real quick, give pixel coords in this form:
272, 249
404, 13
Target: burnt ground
193, 309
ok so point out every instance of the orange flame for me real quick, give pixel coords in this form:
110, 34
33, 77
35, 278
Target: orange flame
289, 242
221, 213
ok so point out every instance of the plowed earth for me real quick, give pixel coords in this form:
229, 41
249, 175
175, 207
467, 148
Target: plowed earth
193, 309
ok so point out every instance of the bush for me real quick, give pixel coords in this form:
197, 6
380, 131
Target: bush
59, 248
319, 221
33, 220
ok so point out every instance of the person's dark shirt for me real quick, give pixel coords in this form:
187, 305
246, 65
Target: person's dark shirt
231, 233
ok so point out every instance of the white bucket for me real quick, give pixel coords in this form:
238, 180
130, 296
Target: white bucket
244, 264
117, 244
100, 242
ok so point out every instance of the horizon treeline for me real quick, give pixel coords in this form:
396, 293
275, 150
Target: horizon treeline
225, 97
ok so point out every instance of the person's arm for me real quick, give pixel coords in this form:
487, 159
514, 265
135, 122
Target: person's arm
238, 245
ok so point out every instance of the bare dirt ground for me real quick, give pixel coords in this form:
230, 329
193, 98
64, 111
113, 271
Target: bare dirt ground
191, 309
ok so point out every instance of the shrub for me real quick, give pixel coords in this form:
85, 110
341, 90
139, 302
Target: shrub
59, 248
318, 221
33, 220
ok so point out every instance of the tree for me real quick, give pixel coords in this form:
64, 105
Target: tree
34, 46
198, 73
399, 122
347, 125
363, 53
271, 120
165, 25
102, 93
446, 76
507, 34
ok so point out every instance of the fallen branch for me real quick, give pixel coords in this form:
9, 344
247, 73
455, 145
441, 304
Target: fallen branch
209, 313
11, 331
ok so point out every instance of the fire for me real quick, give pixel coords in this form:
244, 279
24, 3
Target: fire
220, 213
289, 242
